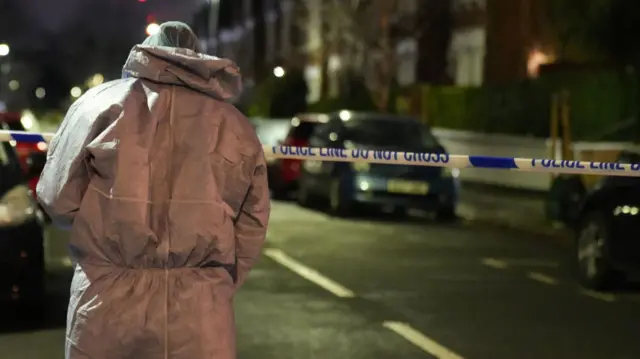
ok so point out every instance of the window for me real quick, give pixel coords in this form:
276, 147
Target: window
467, 55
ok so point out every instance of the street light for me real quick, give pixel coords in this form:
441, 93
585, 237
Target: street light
4, 50
153, 29
279, 72
76, 92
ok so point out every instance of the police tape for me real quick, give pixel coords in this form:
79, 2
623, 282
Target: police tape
411, 158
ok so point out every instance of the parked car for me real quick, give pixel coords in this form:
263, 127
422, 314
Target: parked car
272, 132
21, 234
607, 244
14, 121
348, 187
286, 172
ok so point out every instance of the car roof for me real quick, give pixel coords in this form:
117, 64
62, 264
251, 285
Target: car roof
312, 117
366, 116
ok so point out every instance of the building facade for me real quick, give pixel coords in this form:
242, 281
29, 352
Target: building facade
256, 34
498, 41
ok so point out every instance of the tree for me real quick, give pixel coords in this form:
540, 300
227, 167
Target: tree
575, 23
615, 34
364, 35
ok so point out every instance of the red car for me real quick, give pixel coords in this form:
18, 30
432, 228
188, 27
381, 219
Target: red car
13, 121
285, 172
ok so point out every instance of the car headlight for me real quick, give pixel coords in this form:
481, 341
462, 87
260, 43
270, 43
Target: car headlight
360, 166
17, 207
450, 172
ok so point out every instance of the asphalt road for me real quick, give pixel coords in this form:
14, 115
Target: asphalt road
376, 289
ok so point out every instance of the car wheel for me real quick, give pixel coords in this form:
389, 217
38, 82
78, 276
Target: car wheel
337, 204
595, 270
302, 196
446, 214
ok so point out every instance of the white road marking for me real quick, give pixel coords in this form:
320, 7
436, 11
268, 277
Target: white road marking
528, 262
494, 263
466, 212
542, 278
309, 274
420, 340
601, 296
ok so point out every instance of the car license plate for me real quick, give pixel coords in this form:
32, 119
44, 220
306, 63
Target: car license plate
407, 187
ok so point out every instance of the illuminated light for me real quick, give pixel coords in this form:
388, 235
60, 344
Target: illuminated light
41, 93
536, 59
626, 209
4, 49
76, 92
295, 122
333, 136
96, 80
279, 72
42, 146
345, 115
451, 172
634, 211
14, 85
27, 119
13, 143
153, 29
364, 185
142, 0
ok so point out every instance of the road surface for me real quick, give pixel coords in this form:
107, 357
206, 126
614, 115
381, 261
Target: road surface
375, 289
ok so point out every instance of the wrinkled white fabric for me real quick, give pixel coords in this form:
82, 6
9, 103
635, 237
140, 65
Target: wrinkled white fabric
165, 186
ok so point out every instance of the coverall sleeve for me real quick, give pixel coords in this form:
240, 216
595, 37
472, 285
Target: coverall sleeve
251, 226
65, 177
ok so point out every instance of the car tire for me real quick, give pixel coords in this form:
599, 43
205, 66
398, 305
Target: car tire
446, 214
338, 206
303, 196
594, 266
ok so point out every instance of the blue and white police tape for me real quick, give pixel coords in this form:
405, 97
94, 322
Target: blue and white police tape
412, 158
21, 136
454, 161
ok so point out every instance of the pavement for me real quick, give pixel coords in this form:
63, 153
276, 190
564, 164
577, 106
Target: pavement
522, 210
379, 289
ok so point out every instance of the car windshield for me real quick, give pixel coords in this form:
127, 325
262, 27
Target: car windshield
390, 132
273, 131
303, 131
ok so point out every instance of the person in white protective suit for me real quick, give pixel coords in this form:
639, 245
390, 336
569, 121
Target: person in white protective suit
164, 185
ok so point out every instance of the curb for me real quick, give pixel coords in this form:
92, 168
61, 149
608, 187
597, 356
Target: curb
557, 234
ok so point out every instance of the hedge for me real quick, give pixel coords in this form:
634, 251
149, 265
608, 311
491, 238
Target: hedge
601, 105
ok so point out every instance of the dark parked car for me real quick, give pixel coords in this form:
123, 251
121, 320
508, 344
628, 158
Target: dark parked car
607, 244
13, 121
21, 233
349, 186
285, 173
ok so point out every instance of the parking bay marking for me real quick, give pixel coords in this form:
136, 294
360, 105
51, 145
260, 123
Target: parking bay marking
309, 274
542, 278
601, 296
404, 330
494, 263
420, 340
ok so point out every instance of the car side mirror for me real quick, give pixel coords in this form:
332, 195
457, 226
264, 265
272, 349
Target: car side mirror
35, 164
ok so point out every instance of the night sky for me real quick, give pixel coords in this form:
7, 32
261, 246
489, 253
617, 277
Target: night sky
99, 15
